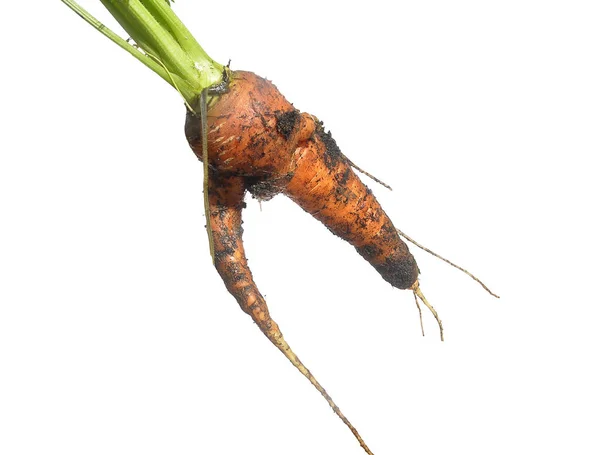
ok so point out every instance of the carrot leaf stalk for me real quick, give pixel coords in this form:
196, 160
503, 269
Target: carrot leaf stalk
203, 117
166, 46
162, 43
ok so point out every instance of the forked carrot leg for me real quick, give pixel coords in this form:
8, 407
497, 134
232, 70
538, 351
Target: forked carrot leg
226, 200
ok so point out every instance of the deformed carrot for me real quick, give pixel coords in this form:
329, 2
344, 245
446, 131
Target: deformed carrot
256, 134
258, 142
251, 139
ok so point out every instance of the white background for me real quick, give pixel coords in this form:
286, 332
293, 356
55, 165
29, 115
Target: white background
118, 337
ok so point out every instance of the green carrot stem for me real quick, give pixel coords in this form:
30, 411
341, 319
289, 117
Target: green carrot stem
163, 43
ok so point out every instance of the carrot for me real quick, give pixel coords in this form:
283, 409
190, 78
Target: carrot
251, 139
255, 133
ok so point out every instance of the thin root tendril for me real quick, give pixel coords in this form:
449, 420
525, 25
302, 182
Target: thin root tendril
414, 242
420, 314
417, 292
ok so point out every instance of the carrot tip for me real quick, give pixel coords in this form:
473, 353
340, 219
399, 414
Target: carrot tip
414, 242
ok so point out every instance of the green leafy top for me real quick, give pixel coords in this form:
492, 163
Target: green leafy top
162, 43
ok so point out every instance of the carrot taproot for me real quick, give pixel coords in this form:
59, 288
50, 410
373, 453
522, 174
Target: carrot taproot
256, 141
251, 139
256, 134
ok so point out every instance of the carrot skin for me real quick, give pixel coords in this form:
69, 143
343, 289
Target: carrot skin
226, 201
243, 137
325, 186
254, 133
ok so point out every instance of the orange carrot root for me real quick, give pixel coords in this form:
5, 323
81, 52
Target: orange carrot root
252, 139
226, 200
256, 134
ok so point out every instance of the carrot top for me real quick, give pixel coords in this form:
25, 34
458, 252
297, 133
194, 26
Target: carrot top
162, 43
